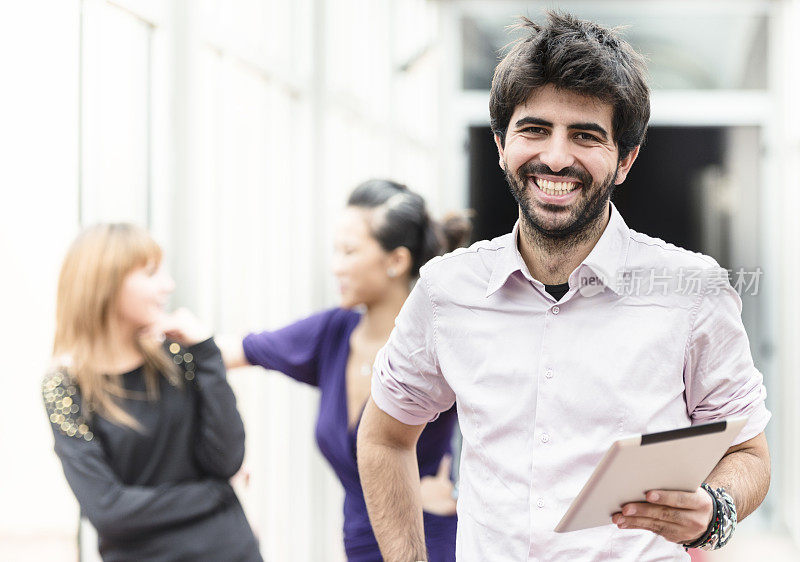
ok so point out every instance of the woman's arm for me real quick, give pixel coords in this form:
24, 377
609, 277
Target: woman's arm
232, 351
115, 509
219, 448
220, 436
436, 491
294, 349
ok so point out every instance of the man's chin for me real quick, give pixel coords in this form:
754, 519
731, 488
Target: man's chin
549, 221
550, 227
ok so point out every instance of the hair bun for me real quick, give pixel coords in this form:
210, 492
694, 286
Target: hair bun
457, 229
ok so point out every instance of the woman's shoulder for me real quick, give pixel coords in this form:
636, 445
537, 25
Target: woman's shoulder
341, 323
332, 321
347, 315
62, 402
59, 374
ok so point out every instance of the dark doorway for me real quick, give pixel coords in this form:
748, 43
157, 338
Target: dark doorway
660, 197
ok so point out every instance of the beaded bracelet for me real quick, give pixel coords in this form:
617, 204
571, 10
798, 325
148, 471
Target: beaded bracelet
723, 521
730, 519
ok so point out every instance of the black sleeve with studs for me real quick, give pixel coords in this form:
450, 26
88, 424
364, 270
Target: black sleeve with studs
220, 431
118, 511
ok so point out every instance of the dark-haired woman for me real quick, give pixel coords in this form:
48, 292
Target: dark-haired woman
382, 239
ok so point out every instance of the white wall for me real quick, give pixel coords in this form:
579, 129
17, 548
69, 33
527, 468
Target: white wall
782, 167
235, 131
38, 217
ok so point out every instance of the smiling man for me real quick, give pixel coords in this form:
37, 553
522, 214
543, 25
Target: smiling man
564, 335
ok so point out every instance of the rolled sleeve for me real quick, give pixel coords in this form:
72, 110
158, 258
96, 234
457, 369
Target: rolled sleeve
407, 382
721, 379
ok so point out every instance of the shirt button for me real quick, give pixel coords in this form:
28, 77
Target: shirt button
555, 310
545, 438
549, 373
540, 503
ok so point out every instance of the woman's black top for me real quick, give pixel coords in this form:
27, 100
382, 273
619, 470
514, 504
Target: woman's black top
161, 492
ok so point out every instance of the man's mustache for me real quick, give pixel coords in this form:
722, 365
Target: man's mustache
534, 168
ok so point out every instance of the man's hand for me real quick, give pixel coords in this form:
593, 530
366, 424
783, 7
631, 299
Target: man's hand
683, 517
679, 517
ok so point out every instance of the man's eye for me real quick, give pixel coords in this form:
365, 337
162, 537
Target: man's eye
534, 130
587, 137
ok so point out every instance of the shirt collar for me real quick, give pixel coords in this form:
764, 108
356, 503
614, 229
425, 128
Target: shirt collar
607, 259
604, 263
509, 260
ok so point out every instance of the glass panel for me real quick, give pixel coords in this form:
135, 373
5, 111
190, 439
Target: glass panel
115, 105
708, 50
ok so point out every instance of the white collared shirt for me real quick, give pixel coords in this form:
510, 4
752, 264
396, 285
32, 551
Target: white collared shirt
648, 338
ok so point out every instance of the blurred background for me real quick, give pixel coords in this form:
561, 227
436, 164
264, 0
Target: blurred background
235, 129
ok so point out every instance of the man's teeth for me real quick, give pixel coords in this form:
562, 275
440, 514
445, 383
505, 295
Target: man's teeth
556, 187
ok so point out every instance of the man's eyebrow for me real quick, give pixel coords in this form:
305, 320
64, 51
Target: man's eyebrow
533, 121
590, 127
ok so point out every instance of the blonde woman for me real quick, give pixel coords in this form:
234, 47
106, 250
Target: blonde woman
147, 430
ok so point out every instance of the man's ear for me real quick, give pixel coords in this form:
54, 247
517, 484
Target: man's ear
499, 143
625, 165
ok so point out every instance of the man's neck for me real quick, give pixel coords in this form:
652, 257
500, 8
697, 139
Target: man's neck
551, 261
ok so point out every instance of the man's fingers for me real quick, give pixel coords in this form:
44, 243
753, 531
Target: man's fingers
682, 500
659, 512
670, 531
673, 523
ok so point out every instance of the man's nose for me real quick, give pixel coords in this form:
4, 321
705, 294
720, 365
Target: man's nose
557, 154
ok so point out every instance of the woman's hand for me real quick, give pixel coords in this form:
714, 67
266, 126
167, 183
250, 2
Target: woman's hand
183, 327
437, 491
232, 351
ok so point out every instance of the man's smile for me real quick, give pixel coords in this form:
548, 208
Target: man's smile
555, 188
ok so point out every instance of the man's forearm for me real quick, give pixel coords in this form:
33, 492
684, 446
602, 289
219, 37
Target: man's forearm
387, 464
745, 473
390, 479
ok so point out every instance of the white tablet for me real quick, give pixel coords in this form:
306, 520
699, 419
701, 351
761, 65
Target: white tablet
679, 459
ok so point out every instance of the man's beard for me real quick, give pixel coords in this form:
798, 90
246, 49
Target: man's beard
585, 218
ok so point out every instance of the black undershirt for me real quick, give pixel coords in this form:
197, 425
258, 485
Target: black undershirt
557, 291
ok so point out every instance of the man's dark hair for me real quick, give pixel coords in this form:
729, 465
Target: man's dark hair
577, 56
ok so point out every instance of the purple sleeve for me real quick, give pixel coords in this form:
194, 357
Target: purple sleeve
293, 350
721, 380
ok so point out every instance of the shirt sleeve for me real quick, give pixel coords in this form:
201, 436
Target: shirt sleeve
720, 377
219, 448
293, 350
117, 510
407, 382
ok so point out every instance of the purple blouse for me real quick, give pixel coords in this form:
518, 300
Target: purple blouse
315, 351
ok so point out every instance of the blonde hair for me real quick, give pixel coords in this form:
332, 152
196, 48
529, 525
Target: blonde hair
95, 266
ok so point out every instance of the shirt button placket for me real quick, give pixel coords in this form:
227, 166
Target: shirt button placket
542, 444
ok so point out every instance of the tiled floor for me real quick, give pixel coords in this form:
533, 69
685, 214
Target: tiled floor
755, 547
